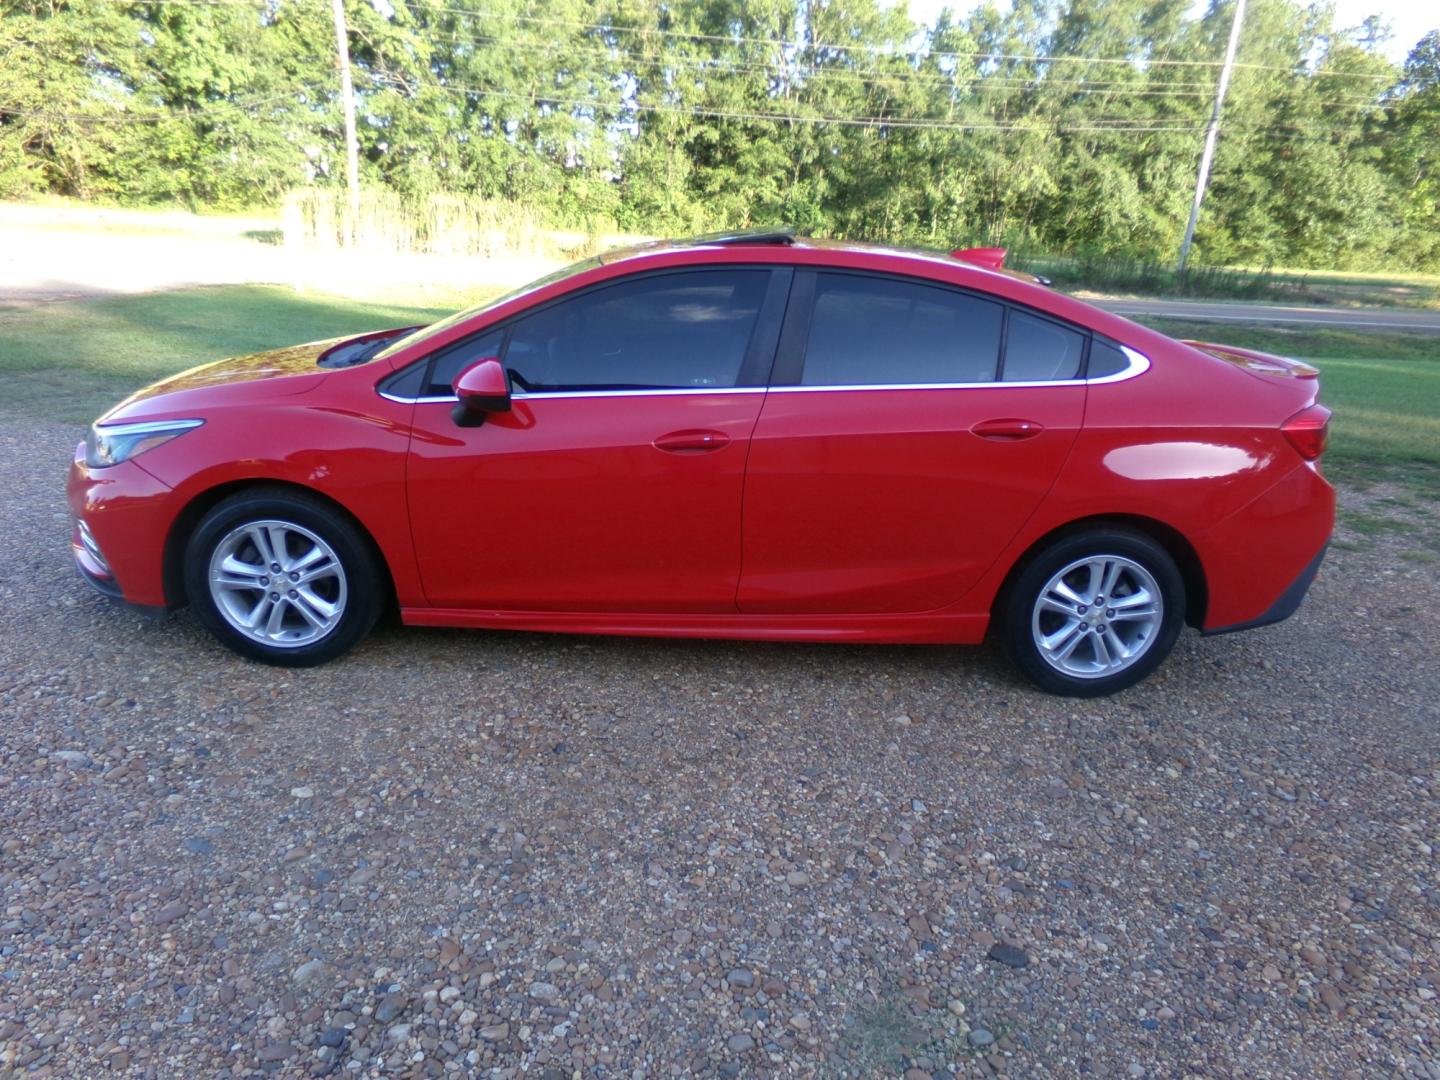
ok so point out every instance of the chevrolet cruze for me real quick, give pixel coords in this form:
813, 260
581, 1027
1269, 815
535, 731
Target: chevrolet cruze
745, 436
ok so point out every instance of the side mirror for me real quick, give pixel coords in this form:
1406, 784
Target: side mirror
481, 389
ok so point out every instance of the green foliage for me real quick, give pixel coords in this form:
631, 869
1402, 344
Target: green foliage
1412, 152
1057, 125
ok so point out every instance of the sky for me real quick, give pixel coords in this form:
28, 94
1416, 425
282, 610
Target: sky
1409, 19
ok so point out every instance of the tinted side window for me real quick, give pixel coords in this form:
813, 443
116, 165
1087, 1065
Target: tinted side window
1038, 350
1105, 359
406, 383
869, 330
664, 331
455, 359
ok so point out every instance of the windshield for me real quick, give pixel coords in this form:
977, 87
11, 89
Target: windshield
426, 332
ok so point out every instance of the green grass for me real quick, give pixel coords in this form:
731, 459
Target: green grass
73, 360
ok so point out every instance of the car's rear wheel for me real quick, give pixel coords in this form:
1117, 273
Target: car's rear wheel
1094, 612
282, 577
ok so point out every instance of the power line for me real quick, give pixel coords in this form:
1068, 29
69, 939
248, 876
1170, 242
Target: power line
813, 74
1040, 125
800, 76
872, 49
1033, 123
884, 50
621, 106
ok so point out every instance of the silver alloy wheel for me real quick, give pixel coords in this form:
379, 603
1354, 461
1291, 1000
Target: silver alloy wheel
277, 583
1097, 616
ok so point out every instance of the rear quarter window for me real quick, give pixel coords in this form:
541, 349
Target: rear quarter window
1038, 350
1105, 359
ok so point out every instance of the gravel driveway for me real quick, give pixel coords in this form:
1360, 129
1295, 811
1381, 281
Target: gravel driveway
457, 853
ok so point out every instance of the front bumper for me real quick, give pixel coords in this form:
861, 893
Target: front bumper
122, 516
90, 560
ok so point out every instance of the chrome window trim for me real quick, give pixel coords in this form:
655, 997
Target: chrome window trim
435, 400
1139, 364
676, 391
923, 386
543, 396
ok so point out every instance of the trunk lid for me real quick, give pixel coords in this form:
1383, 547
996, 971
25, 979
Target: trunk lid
1297, 384
1261, 364
1307, 428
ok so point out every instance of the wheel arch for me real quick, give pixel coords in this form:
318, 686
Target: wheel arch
185, 523
1187, 560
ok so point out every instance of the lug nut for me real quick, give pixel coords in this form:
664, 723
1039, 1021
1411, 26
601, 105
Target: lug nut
275, 566
294, 575
293, 594
264, 581
1110, 613
274, 596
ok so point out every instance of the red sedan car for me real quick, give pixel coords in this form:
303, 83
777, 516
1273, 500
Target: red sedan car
746, 436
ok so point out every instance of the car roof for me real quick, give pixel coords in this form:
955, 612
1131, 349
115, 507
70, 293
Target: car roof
782, 246
768, 239
786, 237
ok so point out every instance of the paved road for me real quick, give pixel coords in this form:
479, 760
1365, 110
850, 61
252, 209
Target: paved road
1403, 320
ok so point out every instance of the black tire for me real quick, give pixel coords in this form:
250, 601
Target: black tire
358, 591
1017, 616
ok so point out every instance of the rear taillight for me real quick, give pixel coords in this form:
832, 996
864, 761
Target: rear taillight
1307, 431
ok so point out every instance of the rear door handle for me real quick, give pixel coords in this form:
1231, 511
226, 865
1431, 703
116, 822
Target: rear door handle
1008, 429
692, 441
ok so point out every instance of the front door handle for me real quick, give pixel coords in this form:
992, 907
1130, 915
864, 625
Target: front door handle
692, 441
1008, 429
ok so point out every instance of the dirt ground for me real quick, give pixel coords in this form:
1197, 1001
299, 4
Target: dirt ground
460, 853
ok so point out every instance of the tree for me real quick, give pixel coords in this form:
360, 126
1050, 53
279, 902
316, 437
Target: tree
1057, 125
1412, 154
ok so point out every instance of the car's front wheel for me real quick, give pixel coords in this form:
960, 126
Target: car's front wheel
282, 577
1094, 612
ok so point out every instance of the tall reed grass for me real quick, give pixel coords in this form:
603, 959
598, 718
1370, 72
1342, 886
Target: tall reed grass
319, 219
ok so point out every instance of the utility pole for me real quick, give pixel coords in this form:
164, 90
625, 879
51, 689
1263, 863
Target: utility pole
352, 144
1212, 130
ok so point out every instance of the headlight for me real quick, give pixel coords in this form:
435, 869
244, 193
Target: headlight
111, 444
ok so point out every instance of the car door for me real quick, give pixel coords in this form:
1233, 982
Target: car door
910, 431
614, 482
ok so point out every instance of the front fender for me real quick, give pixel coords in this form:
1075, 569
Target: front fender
355, 459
